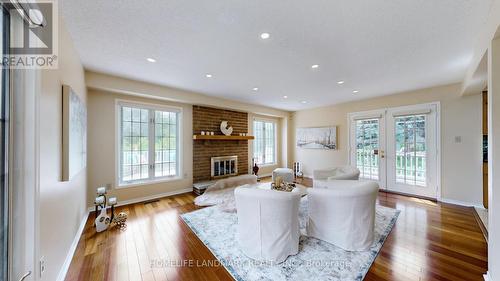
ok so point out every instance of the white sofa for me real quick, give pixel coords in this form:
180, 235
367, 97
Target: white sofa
321, 176
343, 213
268, 223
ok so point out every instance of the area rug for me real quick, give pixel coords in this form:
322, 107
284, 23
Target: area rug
317, 260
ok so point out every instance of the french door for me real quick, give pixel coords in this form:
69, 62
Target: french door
18, 159
397, 147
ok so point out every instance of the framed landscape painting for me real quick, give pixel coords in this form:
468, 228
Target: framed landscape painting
74, 134
317, 138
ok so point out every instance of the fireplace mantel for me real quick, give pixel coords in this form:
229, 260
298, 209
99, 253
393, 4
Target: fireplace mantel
222, 137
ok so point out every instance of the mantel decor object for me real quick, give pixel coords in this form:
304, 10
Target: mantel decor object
225, 129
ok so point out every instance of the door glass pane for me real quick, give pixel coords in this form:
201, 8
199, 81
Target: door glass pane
411, 150
367, 148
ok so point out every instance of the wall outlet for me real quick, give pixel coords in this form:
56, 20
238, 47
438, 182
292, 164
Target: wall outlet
42, 265
458, 139
108, 186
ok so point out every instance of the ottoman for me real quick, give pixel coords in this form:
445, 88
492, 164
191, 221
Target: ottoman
285, 173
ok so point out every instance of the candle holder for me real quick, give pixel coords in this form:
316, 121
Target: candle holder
102, 220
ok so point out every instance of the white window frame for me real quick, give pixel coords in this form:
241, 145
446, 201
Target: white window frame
119, 103
275, 151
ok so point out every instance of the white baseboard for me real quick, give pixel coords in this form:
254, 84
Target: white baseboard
487, 277
151, 197
265, 175
457, 202
67, 262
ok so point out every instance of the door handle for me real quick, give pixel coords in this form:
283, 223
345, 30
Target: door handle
25, 276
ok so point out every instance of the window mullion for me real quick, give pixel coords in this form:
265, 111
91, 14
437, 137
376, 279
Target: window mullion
121, 160
264, 144
151, 144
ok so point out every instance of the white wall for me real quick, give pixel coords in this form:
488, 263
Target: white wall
460, 116
62, 204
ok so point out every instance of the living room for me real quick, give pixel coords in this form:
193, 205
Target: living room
252, 141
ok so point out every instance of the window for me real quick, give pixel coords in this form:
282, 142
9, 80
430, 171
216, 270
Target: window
148, 143
264, 145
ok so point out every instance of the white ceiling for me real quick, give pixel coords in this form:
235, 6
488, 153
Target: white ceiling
378, 47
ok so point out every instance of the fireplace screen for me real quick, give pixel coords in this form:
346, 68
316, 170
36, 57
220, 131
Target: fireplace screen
224, 166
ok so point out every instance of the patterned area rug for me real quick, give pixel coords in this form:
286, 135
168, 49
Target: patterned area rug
317, 260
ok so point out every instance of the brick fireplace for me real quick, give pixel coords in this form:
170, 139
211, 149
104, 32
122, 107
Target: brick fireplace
209, 119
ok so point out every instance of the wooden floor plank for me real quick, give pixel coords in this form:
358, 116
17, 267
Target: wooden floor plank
430, 241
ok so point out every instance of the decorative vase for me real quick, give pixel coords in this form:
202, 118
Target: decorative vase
102, 221
255, 169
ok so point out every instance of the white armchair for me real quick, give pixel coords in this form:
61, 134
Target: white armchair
268, 223
321, 176
343, 213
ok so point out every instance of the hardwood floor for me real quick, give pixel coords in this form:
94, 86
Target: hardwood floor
430, 241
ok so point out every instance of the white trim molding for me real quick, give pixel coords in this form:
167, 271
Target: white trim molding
260, 176
151, 197
67, 262
487, 277
460, 203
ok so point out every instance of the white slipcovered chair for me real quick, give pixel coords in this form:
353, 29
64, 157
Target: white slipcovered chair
343, 213
321, 176
268, 223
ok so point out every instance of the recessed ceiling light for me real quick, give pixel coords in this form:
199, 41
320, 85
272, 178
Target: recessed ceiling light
355, 91
151, 60
208, 75
303, 101
314, 66
340, 82
255, 89
285, 97
265, 35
